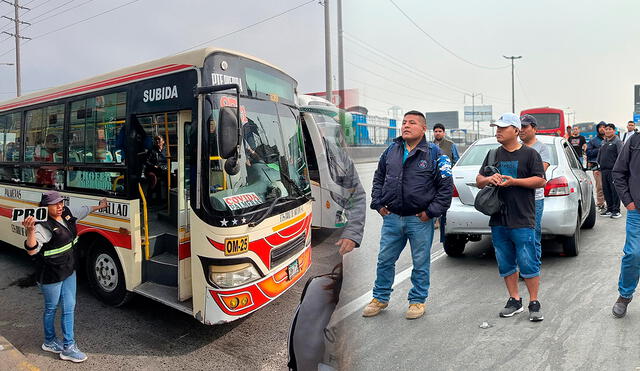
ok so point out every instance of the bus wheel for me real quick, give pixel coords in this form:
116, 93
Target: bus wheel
105, 275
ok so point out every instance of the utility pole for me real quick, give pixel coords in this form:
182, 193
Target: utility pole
17, 36
340, 57
513, 99
327, 50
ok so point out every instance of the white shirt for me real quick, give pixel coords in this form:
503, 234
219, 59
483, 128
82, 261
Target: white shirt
628, 135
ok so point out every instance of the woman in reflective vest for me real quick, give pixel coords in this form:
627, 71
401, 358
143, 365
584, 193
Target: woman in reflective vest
52, 243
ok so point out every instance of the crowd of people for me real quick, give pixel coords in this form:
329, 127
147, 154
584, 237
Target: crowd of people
412, 187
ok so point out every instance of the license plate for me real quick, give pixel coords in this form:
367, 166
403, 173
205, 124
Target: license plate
292, 270
235, 246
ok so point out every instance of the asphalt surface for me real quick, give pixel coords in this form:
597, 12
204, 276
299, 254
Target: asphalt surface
579, 331
146, 335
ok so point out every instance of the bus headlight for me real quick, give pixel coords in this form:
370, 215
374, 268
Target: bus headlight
232, 275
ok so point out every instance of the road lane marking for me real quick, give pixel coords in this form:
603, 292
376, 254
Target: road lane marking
357, 304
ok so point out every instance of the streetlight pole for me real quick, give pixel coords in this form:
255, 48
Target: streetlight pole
473, 110
513, 99
327, 50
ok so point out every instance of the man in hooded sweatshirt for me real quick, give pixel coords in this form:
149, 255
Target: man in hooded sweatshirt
593, 147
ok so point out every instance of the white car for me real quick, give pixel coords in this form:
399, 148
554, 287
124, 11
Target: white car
569, 203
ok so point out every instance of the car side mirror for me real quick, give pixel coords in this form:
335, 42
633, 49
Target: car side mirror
228, 139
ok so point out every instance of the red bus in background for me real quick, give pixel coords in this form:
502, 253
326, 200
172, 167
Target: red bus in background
551, 121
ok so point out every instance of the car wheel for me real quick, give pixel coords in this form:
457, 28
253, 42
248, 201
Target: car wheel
571, 244
591, 218
454, 244
105, 275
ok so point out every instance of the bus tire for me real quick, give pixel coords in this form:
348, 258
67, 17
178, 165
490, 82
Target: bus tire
106, 276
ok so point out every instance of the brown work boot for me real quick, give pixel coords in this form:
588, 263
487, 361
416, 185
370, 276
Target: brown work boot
373, 308
620, 307
415, 311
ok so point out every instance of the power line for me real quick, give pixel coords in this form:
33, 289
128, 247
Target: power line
416, 73
399, 93
75, 23
442, 45
248, 26
86, 19
524, 92
60, 12
447, 99
413, 68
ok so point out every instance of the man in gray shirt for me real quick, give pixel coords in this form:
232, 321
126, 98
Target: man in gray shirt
528, 137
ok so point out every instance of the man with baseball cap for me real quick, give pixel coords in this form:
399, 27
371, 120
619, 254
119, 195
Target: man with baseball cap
528, 137
518, 172
52, 244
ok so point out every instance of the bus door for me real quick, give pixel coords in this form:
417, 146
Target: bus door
166, 268
185, 151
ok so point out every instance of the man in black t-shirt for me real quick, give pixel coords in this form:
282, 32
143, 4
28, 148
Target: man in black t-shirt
578, 142
517, 171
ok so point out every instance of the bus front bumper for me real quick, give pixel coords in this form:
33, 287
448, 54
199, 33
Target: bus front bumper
226, 305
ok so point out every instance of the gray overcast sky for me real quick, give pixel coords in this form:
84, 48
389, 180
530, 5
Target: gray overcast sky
578, 54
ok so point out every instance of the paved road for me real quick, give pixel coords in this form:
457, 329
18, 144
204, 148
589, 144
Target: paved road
578, 332
145, 335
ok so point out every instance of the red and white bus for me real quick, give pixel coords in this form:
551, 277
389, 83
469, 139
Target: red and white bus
231, 229
551, 121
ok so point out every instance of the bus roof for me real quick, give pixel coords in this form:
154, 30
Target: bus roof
157, 67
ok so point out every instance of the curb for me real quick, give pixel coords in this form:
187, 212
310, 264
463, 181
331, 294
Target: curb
12, 359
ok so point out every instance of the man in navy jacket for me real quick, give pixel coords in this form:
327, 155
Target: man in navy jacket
411, 187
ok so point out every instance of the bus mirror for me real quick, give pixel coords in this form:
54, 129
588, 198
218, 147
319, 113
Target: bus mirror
231, 166
228, 132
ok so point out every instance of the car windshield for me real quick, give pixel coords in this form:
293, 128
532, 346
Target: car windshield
474, 155
272, 163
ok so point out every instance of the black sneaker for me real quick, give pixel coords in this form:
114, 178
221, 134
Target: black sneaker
616, 215
513, 307
535, 314
620, 307
606, 213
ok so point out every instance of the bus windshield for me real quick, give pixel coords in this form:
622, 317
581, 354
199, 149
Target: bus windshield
586, 126
272, 162
547, 121
334, 144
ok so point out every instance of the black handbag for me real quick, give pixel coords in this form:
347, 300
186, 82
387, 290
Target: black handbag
487, 200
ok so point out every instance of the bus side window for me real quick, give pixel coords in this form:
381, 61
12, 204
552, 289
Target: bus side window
312, 161
44, 134
97, 131
10, 135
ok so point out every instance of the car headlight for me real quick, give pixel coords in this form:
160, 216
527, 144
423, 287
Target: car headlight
232, 275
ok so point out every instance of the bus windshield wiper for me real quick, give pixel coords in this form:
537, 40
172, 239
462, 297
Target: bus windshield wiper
294, 185
269, 210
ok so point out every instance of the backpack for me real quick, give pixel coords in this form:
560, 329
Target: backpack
487, 200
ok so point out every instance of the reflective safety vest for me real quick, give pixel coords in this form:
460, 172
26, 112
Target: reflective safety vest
55, 260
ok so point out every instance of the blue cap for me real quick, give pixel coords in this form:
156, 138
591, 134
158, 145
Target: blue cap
508, 119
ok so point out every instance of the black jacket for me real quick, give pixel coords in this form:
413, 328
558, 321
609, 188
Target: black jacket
609, 152
422, 183
626, 172
56, 261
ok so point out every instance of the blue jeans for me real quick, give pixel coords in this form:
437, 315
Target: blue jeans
396, 230
630, 266
539, 210
63, 293
516, 248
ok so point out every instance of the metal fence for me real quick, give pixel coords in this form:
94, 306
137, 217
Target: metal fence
380, 131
